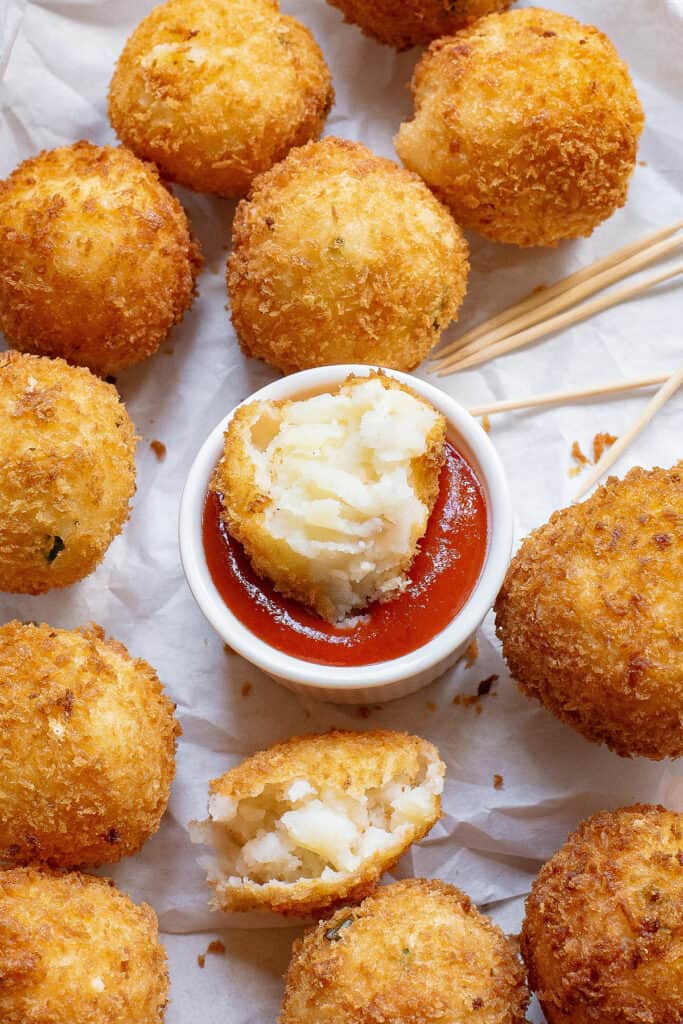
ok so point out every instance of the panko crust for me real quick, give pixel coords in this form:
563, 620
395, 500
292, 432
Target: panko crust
67, 473
244, 505
75, 950
341, 256
406, 23
87, 747
216, 91
591, 619
415, 952
603, 934
349, 761
97, 258
526, 125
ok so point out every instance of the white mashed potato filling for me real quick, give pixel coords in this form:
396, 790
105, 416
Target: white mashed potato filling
337, 471
293, 831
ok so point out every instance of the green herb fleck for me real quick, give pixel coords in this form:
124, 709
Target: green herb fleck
57, 546
334, 934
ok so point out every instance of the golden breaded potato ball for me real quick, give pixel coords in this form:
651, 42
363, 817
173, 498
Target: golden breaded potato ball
317, 820
87, 747
415, 952
67, 472
341, 256
216, 91
591, 617
97, 260
602, 937
75, 950
526, 125
406, 23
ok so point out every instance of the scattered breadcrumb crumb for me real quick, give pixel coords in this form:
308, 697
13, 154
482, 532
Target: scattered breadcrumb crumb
642, 163
580, 459
471, 653
364, 711
498, 781
486, 423
431, 706
486, 684
246, 689
159, 449
215, 947
473, 700
601, 442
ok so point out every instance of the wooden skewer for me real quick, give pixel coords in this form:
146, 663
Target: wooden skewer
541, 296
572, 296
560, 397
609, 457
567, 319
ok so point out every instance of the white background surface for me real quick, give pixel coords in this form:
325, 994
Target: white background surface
59, 58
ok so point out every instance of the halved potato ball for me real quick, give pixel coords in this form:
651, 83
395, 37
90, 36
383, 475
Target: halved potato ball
603, 934
405, 23
97, 260
215, 91
87, 747
340, 256
318, 819
67, 472
591, 617
75, 950
415, 952
526, 125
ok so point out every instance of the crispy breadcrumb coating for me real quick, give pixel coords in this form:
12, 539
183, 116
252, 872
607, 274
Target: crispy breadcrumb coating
216, 91
415, 952
406, 23
97, 259
318, 509
87, 747
603, 935
75, 950
526, 125
67, 473
341, 256
591, 618
316, 820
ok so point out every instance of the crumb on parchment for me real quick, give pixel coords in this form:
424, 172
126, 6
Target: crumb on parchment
498, 781
215, 947
159, 449
246, 689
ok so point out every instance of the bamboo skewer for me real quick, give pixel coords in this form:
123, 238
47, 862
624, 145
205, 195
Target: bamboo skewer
558, 397
563, 320
552, 305
674, 382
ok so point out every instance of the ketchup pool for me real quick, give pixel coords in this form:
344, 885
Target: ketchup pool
442, 577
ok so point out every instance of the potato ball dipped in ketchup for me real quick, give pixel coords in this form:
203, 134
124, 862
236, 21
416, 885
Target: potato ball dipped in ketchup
343, 528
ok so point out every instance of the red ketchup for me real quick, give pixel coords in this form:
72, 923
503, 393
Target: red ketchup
443, 575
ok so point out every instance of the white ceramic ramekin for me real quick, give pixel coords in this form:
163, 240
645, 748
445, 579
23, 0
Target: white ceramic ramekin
388, 679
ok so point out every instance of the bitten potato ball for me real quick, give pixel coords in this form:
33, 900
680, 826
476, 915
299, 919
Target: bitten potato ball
67, 472
75, 950
415, 952
591, 617
603, 935
215, 91
318, 819
97, 260
87, 747
414, 22
340, 256
526, 125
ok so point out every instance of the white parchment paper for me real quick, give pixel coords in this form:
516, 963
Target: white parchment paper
57, 59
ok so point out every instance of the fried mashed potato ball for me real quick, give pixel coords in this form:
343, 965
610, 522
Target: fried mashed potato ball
415, 952
526, 125
75, 950
67, 472
341, 256
216, 91
414, 22
318, 819
87, 747
331, 494
591, 618
97, 260
603, 935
